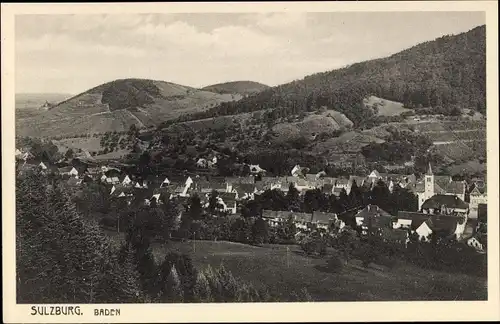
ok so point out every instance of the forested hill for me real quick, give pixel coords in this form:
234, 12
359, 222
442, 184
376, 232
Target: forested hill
444, 74
237, 87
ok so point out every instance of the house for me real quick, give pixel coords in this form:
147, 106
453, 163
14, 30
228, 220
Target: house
478, 196
86, 179
79, 169
311, 177
406, 181
343, 183
165, 182
323, 220
187, 186
202, 163
302, 220
356, 179
442, 185
230, 181
73, 172
475, 243
395, 236
374, 176
271, 216
402, 223
120, 191
65, 171
298, 171
26, 156
424, 232
444, 225
112, 180
327, 188
337, 191
157, 196
42, 166
445, 204
73, 182
244, 190
256, 169
228, 201
373, 217
300, 183
93, 171
126, 181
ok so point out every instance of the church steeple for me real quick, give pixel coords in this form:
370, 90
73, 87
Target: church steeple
429, 171
429, 183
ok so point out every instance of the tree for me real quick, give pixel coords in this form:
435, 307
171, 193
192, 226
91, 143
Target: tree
48, 230
355, 195
185, 270
380, 196
213, 203
314, 200
346, 243
292, 198
195, 208
260, 231
133, 131
120, 283
173, 291
69, 154
286, 231
202, 292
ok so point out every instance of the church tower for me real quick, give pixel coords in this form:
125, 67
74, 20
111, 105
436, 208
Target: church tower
429, 183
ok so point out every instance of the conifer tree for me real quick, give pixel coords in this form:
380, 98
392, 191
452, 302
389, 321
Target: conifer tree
202, 291
173, 291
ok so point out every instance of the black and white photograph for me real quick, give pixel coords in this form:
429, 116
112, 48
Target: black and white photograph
250, 157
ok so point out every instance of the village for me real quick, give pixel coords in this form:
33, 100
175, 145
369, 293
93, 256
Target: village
455, 209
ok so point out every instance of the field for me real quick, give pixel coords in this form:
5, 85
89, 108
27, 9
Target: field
385, 107
91, 144
347, 142
283, 269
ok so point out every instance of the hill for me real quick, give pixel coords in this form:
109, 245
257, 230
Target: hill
116, 105
445, 74
36, 100
243, 88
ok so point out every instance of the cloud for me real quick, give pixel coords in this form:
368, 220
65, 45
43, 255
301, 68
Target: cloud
226, 41
70, 53
62, 44
281, 20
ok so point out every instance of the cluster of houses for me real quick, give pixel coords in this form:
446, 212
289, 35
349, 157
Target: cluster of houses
441, 200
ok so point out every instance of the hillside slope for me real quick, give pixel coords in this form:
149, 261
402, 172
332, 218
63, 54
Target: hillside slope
445, 74
116, 105
237, 87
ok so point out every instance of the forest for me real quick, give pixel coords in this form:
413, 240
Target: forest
446, 74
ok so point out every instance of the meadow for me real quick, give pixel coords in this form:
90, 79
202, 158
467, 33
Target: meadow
285, 268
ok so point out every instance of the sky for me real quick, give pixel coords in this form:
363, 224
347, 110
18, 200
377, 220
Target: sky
72, 53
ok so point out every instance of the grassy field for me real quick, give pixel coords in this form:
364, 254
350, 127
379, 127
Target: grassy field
85, 143
283, 269
385, 107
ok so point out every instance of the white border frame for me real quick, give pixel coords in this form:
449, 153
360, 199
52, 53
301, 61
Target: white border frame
252, 312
